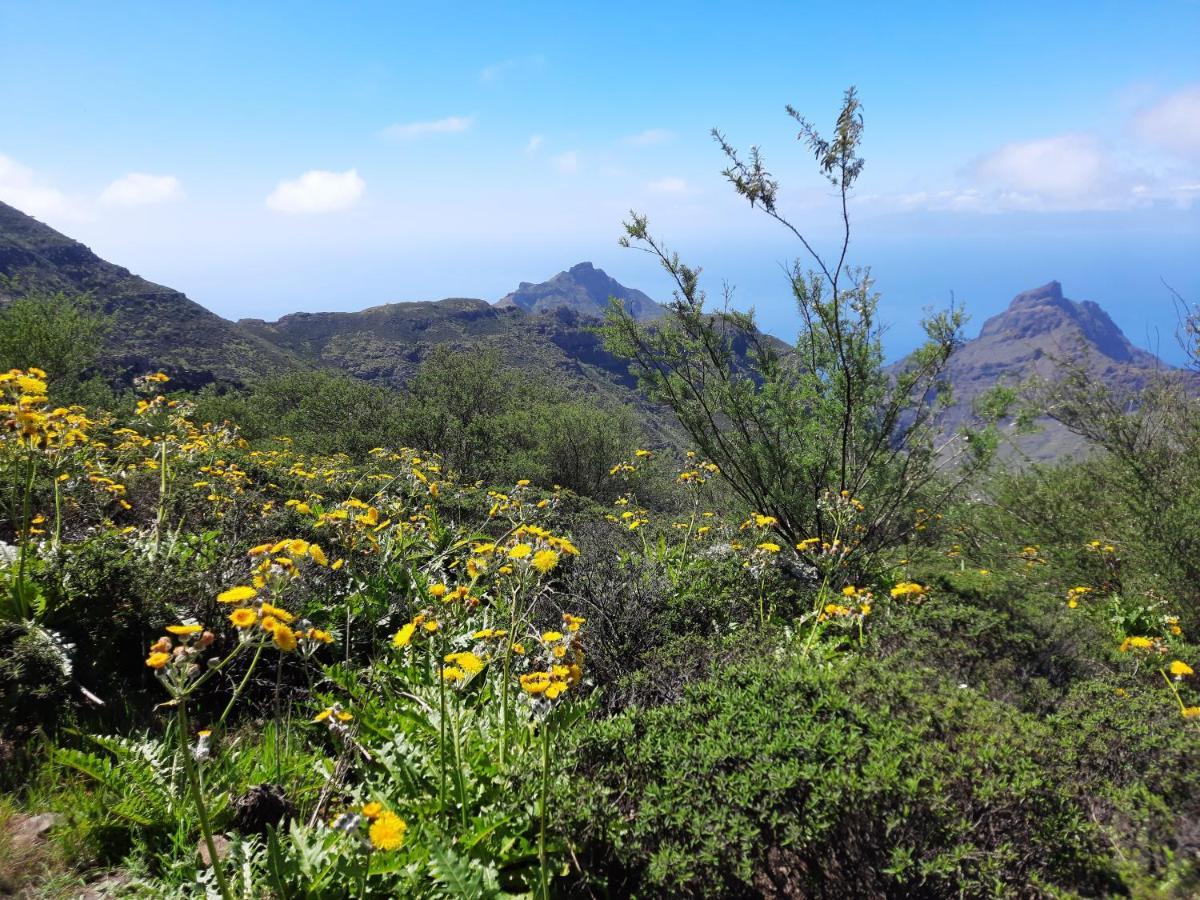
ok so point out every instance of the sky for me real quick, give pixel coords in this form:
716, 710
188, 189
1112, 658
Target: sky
273, 158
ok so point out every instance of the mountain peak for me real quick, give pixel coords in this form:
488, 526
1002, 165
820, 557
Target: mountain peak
1050, 292
583, 289
1044, 317
1040, 328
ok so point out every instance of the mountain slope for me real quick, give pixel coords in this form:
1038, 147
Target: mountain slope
387, 343
153, 327
1041, 329
584, 289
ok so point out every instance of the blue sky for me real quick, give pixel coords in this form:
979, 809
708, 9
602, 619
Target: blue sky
268, 158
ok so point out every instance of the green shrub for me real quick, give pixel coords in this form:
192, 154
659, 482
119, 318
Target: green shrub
841, 778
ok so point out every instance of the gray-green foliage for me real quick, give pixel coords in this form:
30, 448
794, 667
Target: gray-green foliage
1148, 472
823, 415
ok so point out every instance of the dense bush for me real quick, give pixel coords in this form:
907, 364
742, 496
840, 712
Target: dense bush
790, 776
487, 421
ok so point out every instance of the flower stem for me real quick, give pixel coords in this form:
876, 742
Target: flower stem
189, 766
437, 673
241, 685
543, 863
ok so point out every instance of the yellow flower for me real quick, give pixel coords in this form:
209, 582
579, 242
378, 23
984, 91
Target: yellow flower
908, 589
1181, 669
281, 614
183, 630
321, 637
244, 617
1136, 643
535, 682
1191, 712
337, 564
438, 590
520, 551
259, 550
372, 810
285, 638
551, 636
317, 555
404, 636
387, 831
158, 659
468, 662
769, 547
453, 673
545, 560
239, 594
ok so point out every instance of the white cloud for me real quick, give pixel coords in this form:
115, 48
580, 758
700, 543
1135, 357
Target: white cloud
535, 143
318, 192
493, 73
20, 187
567, 162
407, 131
139, 189
1069, 165
669, 185
650, 137
1173, 123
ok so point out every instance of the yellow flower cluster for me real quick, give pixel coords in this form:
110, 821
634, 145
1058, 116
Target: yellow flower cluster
1074, 594
909, 590
26, 415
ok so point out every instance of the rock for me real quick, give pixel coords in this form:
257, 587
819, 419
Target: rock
1040, 327
220, 842
262, 806
28, 830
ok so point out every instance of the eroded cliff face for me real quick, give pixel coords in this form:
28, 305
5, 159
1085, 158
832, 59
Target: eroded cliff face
1041, 330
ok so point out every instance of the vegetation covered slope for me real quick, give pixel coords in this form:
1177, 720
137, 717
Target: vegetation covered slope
152, 326
387, 344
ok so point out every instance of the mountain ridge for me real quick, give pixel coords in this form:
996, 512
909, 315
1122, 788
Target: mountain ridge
152, 326
545, 329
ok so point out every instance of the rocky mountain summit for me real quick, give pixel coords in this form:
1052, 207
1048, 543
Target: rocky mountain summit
583, 289
1039, 332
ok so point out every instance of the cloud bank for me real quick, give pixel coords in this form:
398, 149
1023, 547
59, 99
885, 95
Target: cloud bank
141, 189
317, 191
